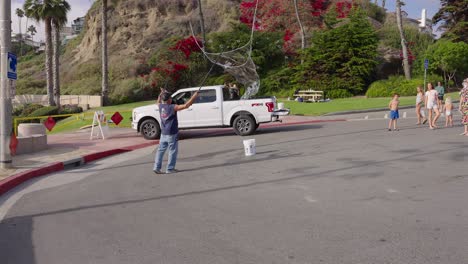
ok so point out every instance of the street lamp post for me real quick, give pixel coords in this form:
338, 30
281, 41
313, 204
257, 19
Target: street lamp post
5, 98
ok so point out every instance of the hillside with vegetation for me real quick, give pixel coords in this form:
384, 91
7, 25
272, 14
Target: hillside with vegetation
348, 45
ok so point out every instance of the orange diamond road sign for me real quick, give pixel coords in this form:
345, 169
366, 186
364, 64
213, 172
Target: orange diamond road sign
117, 118
49, 123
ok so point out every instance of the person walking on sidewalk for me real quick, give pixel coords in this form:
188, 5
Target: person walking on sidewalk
169, 131
419, 105
440, 97
431, 104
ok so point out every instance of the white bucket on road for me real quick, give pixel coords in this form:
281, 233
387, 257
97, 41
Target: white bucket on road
249, 147
280, 106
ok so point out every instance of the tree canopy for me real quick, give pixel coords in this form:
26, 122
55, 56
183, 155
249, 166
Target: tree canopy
453, 16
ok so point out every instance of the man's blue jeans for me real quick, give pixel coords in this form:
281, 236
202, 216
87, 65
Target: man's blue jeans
165, 142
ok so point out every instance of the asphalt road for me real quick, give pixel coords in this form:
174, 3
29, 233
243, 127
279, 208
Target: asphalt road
344, 193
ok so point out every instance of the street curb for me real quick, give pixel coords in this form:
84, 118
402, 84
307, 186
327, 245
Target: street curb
373, 110
15, 180
365, 111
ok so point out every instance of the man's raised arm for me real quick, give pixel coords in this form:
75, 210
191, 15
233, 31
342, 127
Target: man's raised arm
187, 104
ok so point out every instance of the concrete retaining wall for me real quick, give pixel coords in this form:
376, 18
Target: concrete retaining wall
86, 101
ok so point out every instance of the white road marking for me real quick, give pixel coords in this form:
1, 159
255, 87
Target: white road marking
392, 191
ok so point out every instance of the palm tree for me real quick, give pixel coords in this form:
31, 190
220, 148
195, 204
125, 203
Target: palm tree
20, 14
105, 65
303, 45
383, 4
406, 65
42, 10
61, 8
32, 31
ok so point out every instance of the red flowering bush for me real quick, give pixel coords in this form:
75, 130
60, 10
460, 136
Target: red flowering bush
343, 9
188, 45
170, 66
279, 15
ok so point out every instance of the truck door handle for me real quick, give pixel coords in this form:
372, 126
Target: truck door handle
189, 109
215, 107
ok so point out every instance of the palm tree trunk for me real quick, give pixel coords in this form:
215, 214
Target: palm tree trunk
383, 4
49, 66
202, 21
303, 44
105, 69
21, 38
56, 63
406, 65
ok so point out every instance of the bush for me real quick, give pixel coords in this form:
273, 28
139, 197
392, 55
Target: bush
378, 89
338, 93
26, 110
395, 84
71, 109
45, 111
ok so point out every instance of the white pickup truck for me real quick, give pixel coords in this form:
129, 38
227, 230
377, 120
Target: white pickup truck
214, 107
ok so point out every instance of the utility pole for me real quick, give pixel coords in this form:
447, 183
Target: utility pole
5, 98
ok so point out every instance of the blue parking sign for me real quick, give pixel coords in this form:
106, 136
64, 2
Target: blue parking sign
12, 61
426, 64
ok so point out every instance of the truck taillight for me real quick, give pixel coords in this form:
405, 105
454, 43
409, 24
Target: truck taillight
271, 106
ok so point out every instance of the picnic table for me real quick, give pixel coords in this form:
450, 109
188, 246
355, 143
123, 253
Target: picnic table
309, 95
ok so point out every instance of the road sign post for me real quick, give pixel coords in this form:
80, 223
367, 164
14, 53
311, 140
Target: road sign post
5, 98
426, 66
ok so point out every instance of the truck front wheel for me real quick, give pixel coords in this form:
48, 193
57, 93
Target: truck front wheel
150, 129
244, 125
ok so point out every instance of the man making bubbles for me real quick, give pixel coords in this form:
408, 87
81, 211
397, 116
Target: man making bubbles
169, 131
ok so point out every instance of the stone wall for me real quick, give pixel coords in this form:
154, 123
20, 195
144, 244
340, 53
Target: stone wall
86, 101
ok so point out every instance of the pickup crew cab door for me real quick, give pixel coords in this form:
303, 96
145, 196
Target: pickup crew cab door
207, 108
186, 117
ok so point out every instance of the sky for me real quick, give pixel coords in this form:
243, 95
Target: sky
79, 8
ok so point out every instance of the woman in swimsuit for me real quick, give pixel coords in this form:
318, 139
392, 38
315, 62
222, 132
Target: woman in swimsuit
419, 104
448, 107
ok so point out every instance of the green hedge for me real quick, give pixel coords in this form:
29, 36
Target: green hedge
45, 111
70, 109
397, 84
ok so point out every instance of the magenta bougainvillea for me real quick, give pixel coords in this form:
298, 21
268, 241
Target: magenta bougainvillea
172, 66
287, 42
188, 45
343, 9
411, 56
279, 15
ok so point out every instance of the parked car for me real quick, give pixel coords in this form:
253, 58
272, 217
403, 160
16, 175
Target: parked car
213, 108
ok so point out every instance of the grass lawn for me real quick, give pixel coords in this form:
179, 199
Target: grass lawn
310, 109
339, 105
86, 118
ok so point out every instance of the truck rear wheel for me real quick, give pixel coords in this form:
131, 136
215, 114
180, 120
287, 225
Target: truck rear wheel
244, 125
150, 129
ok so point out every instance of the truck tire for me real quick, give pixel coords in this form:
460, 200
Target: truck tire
244, 125
150, 129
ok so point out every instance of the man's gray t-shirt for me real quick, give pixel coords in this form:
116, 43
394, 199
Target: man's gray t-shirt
169, 122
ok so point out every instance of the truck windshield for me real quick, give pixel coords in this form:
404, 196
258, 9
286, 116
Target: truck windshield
182, 98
